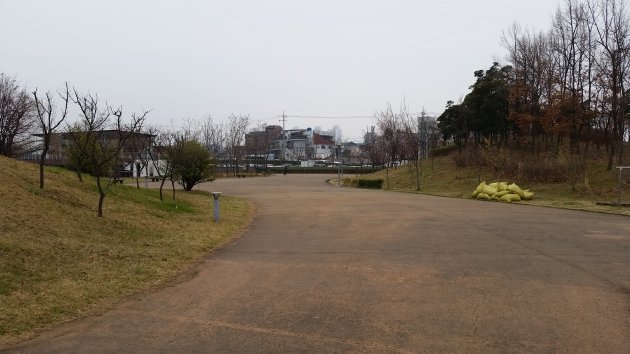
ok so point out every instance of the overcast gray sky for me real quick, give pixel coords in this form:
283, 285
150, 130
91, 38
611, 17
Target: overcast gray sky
326, 58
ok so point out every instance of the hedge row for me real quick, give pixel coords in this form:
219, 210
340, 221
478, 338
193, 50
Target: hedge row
324, 170
363, 183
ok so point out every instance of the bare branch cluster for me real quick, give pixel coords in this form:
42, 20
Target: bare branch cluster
98, 141
567, 85
49, 120
16, 117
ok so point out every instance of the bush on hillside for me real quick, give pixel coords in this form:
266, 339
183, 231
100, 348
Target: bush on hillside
514, 165
193, 165
443, 150
363, 183
544, 170
467, 158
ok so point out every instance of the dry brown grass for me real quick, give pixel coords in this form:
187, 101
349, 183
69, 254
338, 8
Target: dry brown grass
59, 261
442, 176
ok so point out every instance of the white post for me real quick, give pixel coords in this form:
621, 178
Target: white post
217, 212
338, 165
619, 197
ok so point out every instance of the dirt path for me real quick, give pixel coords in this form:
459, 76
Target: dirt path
327, 269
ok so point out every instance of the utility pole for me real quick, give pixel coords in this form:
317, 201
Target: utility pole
284, 137
284, 119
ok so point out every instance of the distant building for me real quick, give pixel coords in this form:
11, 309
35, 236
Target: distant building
352, 153
296, 145
291, 145
259, 143
429, 135
322, 147
129, 155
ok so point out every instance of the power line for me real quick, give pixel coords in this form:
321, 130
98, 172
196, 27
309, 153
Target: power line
331, 117
426, 114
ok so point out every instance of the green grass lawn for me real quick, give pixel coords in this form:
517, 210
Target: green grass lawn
59, 261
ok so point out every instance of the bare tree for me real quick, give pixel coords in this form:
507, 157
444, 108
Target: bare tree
140, 152
390, 125
174, 155
16, 117
157, 155
612, 26
100, 138
572, 41
237, 127
533, 81
49, 121
213, 136
163, 156
372, 148
391, 137
411, 139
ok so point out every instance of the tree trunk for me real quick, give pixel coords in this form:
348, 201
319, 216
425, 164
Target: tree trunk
613, 146
621, 131
611, 154
138, 171
161, 188
79, 175
417, 175
42, 162
101, 196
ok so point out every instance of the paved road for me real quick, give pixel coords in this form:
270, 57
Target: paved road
327, 269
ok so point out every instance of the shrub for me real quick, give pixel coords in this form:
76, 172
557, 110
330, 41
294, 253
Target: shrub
443, 150
544, 170
363, 183
349, 182
193, 165
467, 158
370, 183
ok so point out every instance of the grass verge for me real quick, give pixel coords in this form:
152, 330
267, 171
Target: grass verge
442, 177
59, 261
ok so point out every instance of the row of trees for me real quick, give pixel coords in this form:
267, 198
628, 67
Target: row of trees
570, 84
223, 139
101, 142
400, 137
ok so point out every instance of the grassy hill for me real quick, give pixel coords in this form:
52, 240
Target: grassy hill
457, 175
59, 261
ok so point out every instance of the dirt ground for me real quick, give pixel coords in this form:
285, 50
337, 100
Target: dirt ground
328, 269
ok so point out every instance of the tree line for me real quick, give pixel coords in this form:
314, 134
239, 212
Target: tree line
401, 137
566, 86
103, 140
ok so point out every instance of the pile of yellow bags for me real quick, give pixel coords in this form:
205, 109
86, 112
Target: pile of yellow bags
501, 191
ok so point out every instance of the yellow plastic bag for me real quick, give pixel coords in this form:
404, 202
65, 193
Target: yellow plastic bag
513, 188
502, 193
527, 195
480, 187
510, 198
489, 190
